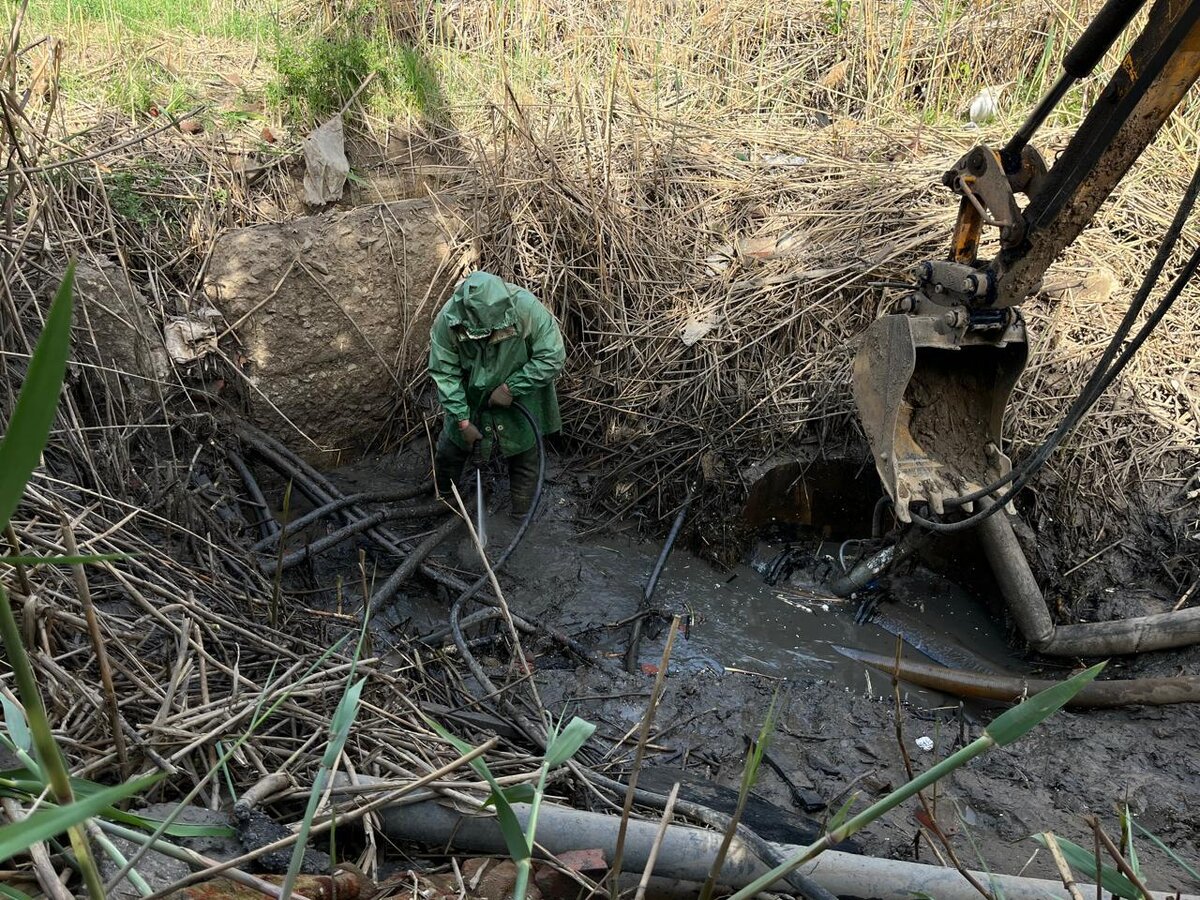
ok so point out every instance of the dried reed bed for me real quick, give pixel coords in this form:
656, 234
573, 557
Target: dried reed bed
163, 657
643, 207
740, 175
764, 63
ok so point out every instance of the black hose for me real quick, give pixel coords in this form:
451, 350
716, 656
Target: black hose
454, 583
635, 637
457, 607
267, 525
881, 506
534, 731
336, 506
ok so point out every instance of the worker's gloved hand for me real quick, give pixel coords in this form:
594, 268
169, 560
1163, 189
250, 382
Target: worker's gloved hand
501, 396
469, 432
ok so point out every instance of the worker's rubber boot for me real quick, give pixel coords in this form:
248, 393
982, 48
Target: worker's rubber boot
448, 462
522, 480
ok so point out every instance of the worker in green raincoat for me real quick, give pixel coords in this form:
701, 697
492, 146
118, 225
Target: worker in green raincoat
493, 343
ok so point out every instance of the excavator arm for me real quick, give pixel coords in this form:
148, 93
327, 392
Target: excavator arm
932, 379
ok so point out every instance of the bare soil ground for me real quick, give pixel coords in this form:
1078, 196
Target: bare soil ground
836, 733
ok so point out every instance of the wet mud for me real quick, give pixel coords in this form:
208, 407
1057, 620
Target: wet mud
839, 727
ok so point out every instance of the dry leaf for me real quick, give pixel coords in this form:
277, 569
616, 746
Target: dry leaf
836, 74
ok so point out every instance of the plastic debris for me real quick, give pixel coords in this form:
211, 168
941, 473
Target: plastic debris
326, 165
188, 338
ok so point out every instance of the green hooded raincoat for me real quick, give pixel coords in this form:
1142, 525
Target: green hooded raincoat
490, 333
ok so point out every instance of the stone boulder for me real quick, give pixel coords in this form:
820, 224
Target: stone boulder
333, 314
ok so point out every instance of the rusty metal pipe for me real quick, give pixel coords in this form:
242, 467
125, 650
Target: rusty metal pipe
1010, 688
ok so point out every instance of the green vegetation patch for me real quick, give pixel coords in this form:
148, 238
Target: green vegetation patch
212, 18
318, 72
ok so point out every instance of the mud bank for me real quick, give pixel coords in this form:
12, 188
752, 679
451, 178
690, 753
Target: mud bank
747, 644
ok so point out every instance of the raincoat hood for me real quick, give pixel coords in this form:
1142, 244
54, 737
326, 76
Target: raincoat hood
481, 305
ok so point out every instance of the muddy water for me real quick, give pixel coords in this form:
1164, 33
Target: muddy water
836, 732
736, 622
586, 582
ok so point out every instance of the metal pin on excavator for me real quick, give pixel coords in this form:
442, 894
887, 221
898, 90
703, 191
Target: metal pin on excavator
932, 379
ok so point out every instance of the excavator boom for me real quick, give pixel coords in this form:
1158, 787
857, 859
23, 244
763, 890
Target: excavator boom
932, 379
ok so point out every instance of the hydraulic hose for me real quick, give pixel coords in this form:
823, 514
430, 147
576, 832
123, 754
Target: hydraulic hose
1089, 49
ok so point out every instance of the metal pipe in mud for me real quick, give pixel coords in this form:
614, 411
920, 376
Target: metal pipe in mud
267, 525
1028, 607
413, 561
687, 854
1009, 688
318, 489
875, 565
635, 637
321, 544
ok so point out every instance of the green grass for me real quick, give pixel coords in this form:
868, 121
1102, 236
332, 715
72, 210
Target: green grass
318, 70
211, 18
145, 86
145, 57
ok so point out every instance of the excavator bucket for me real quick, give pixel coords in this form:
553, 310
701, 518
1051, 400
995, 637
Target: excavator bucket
931, 394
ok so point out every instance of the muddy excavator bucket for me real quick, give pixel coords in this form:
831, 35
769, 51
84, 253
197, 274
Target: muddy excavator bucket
931, 392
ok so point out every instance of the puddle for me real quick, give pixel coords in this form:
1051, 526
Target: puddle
833, 735
736, 623
734, 618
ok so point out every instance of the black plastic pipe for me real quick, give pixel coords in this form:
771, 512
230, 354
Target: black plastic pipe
635, 637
